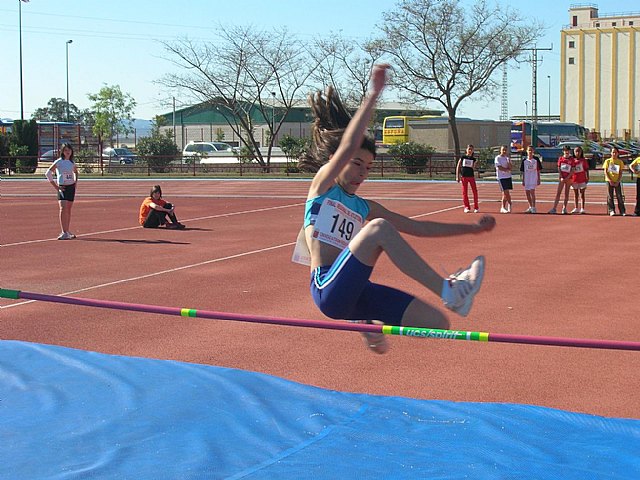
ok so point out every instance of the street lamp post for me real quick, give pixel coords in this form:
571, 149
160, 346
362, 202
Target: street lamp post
21, 87
273, 107
549, 78
174, 119
67, 49
526, 109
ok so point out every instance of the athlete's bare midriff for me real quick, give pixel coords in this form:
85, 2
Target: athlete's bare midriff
321, 253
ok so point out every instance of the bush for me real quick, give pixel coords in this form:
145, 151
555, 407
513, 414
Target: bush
412, 156
84, 159
158, 151
4, 152
24, 144
245, 155
485, 158
294, 148
21, 159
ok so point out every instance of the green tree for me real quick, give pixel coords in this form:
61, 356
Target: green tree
24, 145
294, 148
4, 152
112, 110
157, 150
413, 156
248, 75
445, 52
56, 111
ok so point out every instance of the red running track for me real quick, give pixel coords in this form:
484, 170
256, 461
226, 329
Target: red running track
565, 276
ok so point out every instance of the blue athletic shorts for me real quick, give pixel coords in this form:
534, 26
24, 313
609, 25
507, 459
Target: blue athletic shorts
343, 291
506, 184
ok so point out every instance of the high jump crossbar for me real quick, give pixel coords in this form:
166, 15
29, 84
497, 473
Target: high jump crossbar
415, 332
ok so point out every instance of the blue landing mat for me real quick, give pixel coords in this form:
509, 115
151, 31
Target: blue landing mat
67, 414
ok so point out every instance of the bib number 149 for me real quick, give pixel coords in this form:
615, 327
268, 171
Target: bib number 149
342, 226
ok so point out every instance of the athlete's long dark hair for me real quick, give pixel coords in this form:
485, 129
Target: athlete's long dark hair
330, 121
62, 147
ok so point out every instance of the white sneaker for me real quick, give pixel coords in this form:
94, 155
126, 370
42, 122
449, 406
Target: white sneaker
462, 286
376, 342
64, 236
528, 210
71, 235
503, 210
564, 210
467, 210
612, 214
582, 211
575, 210
533, 210
476, 210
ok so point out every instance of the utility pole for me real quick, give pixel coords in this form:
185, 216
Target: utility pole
534, 93
504, 105
67, 50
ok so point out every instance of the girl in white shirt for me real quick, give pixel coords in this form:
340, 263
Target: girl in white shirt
503, 173
65, 182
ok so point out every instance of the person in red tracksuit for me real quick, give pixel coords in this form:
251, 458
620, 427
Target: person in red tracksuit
466, 173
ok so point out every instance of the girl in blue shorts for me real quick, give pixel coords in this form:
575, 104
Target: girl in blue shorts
343, 234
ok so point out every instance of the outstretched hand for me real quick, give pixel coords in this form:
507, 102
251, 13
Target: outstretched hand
379, 78
486, 223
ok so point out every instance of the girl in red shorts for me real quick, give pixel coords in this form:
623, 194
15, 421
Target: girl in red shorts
580, 179
565, 173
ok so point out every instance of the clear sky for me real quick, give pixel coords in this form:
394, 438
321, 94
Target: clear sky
117, 42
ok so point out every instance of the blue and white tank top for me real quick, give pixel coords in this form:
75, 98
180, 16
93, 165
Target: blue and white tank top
336, 215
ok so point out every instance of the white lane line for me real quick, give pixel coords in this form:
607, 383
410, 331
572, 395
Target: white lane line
162, 272
184, 267
222, 215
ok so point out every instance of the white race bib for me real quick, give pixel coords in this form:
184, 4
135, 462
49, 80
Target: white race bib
636, 168
531, 166
336, 224
613, 168
301, 252
66, 178
565, 167
579, 168
467, 162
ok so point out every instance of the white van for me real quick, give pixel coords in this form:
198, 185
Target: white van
207, 149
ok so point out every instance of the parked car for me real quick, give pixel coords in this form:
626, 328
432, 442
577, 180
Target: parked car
49, 156
632, 147
123, 156
624, 153
206, 149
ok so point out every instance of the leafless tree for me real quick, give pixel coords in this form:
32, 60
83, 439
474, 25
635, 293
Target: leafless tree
444, 52
346, 64
249, 74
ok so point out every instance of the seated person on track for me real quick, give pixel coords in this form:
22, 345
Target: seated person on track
154, 211
342, 249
